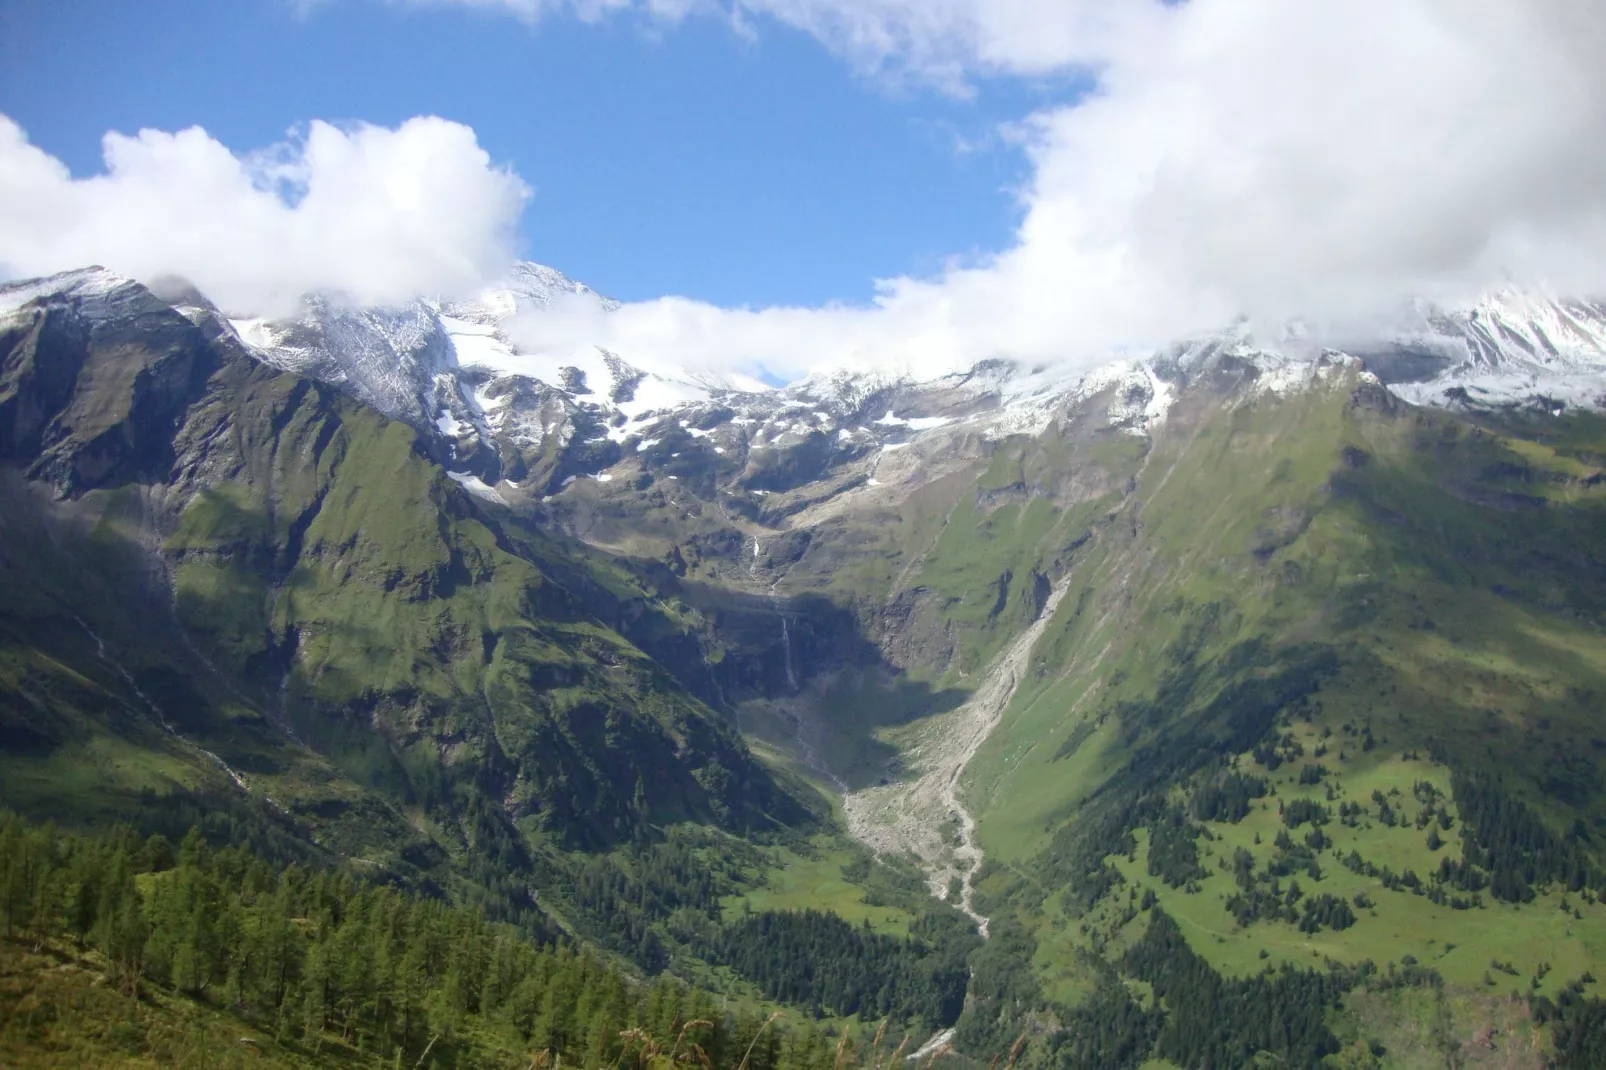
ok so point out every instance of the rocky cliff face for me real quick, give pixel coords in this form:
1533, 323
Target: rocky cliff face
96, 382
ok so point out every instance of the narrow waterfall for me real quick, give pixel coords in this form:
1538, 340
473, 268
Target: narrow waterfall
786, 645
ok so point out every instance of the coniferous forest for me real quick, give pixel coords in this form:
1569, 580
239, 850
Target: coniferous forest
325, 963
330, 966
817, 960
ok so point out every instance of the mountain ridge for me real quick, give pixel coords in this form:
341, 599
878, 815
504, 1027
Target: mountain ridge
540, 420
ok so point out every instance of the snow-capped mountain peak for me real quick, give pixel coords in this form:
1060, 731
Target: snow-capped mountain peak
1509, 346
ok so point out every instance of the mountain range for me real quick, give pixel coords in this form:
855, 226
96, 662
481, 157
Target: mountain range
1234, 699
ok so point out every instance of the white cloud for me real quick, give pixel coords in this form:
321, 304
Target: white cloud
947, 41
1238, 157
535, 10
372, 214
937, 41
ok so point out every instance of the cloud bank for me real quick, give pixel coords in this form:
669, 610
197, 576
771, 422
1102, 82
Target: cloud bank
1235, 157
365, 213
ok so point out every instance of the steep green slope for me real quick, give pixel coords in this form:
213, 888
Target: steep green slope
1371, 572
227, 577
1325, 689
344, 568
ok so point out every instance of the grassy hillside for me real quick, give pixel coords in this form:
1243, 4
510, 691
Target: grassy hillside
1335, 643
343, 567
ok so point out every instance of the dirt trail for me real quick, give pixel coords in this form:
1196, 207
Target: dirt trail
924, 815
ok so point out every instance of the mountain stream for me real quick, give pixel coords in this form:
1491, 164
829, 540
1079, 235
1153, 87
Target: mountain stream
923, 814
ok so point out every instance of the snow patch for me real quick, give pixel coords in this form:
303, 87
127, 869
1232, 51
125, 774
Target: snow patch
1160, 402
451, 426
478, 487
917, 423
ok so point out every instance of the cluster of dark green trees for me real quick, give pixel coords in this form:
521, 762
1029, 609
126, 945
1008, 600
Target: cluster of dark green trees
320, 959
1325, 912
1174, 849
675, 885
1272, 753
1264, 901
1215, 1022
1298, 811
1226, 795
817, 960
1579, 1033
1508, 842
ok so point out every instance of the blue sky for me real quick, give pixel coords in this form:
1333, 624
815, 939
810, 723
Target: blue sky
680, 159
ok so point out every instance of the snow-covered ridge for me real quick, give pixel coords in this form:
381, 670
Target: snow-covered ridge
1514, 345
504, 411
463, 372
1519, 324
84, 282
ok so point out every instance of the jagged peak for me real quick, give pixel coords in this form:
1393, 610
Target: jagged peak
539, 282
